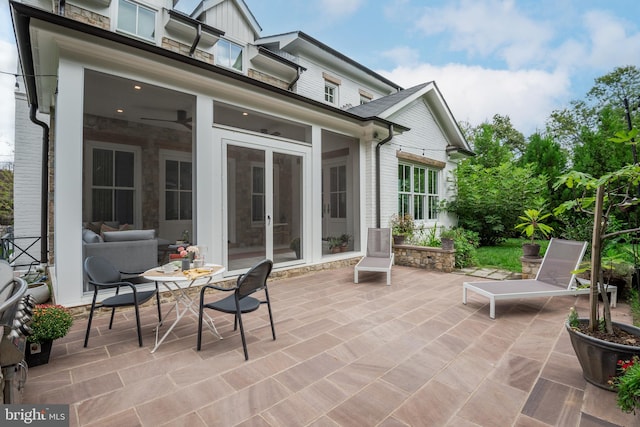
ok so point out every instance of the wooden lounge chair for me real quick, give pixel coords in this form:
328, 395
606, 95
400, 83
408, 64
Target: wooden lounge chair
379, 255
554, 278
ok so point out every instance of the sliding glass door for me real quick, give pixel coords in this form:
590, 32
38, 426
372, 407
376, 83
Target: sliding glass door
264, 204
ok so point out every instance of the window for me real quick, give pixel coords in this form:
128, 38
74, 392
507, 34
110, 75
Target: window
136, 19
330, 92
229, 54
257, 194
418, 191
338, 192
112, 186
178, 191
364, 99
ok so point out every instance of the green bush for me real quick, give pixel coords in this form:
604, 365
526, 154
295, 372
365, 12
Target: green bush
465, 243
489, 200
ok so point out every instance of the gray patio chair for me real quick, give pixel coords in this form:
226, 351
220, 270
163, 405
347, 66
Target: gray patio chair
554, 278
379, 255
241, 302
103, 275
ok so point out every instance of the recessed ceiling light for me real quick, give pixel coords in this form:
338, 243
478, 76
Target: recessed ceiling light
137, 87
119, 110
244, 113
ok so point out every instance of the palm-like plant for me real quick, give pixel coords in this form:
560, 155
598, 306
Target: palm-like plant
532, 224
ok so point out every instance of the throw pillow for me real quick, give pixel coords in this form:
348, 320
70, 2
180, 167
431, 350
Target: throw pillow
106, 227
94, 226
89, 236
128, 235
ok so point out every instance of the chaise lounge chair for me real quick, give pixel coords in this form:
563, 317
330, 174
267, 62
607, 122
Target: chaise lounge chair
554, 278
379, 255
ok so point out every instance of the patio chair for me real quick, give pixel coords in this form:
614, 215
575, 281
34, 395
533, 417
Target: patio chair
379, 255
554, 278
103, 275
241, 302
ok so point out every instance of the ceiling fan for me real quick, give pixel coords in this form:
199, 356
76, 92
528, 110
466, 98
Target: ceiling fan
181, 119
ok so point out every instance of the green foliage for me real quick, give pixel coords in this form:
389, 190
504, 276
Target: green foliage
634, 303
6, 197
505, 255
573, 318
489, 200
627, 384
532, 224
495, 143
425, 236
50, 322
465, 243
402, 225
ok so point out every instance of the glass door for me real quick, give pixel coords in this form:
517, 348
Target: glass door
264, 206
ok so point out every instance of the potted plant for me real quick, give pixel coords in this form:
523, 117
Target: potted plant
344, 239
627, 385
402, 226
334, 244
447, 237
598, 341
49, 322
531, 227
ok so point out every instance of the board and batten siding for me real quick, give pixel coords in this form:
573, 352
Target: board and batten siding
228, 18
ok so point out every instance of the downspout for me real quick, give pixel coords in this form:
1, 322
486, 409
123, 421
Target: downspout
295, 80
43, 183
196, 41
61, 5
380, 144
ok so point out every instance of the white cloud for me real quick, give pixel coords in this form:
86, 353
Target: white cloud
488, 28
474, 94
611, 43
341, 8
8, 63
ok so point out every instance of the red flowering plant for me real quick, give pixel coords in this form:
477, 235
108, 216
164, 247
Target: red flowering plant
49, 322
627, 384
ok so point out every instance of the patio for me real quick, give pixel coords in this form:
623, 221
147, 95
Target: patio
409, 354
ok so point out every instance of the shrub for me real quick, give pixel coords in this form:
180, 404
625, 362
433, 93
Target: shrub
49, 322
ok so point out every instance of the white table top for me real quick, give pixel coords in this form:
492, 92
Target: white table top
158, 275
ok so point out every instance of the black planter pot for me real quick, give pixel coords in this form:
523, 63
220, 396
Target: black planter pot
398, 239
599, 358
447, 244
531, 250
36, 354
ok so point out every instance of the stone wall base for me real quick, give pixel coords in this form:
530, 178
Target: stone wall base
425, 257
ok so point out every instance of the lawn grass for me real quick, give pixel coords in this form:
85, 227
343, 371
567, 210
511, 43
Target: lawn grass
506, 255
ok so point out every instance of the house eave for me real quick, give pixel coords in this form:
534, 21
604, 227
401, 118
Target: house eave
22, 20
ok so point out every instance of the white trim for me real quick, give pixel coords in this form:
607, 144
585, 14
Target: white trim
91, 145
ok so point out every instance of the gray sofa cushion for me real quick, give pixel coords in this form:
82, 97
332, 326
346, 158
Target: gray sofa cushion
128, 235
89, 236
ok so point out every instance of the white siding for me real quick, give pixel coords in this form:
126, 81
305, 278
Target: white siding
226, 17
424, 139
311, 84
27, 176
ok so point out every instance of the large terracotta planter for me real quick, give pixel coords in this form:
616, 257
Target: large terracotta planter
599, 358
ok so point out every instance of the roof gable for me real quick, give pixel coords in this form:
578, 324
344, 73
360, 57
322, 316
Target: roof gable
240, 6
389, 105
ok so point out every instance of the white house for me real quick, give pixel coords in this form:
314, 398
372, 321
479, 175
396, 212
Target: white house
172, 122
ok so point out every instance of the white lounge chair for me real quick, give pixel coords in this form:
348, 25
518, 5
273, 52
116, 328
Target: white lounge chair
554, 278
379, 255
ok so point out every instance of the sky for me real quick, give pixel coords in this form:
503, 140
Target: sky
518, 58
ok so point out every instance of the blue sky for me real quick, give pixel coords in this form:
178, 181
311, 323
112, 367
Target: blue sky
521, 58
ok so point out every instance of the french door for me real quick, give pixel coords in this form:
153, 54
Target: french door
264, 212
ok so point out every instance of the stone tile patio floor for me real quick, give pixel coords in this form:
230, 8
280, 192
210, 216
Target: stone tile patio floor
409, 354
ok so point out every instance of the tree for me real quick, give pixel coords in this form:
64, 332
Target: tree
6, 197
489, 200
587, 125
496, 142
